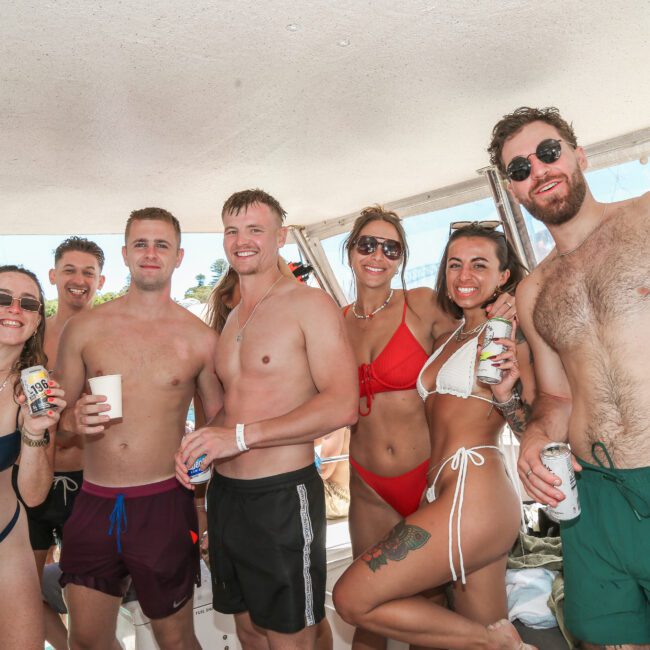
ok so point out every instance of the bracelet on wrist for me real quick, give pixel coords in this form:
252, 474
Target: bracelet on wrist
32, 440
510, 405
239, 438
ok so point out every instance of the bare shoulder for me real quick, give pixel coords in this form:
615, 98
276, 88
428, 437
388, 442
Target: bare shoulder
638, 207
307, 299
423, 303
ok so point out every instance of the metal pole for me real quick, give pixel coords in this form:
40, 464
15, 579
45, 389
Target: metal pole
511, 216
315, 255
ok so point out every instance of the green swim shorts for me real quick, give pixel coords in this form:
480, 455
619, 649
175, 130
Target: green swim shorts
607, 557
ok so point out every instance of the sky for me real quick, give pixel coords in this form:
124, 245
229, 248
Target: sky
36, 252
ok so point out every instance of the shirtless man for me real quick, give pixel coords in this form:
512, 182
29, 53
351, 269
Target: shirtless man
132, 517
585, 311
289, 377
77, 275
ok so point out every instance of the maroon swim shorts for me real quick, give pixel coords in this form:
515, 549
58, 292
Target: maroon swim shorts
148, 532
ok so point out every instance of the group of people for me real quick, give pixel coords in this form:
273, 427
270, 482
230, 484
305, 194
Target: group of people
433, 510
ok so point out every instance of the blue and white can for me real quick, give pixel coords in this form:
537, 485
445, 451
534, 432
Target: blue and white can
196, 474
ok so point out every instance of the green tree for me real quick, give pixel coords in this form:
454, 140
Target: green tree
50, 307
200, 280
218, 268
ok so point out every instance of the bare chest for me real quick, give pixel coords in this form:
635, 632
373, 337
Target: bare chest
603, 286
168, 360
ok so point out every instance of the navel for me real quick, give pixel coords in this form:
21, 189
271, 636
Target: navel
266, 359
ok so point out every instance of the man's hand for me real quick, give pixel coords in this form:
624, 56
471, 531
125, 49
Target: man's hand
87, 414
503, 307
538, 481
215, 442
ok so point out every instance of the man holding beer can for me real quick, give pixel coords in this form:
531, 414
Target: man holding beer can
585, 311
266, 502
132, 519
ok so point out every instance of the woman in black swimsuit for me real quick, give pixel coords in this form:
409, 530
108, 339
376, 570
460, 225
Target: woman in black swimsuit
22, 326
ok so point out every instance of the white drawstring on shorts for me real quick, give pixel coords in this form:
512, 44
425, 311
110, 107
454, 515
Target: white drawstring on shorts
459, 463
68, 484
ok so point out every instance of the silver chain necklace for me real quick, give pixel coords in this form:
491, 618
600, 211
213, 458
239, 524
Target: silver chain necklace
589, 234
240, 333
372, 313
4, 383
461, 335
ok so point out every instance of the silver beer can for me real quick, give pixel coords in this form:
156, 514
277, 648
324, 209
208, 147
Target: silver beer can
556, 457
496, 328
35, 382
196, 474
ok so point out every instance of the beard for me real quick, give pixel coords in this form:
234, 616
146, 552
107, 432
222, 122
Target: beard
559, 210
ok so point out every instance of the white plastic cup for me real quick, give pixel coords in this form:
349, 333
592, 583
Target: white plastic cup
111, 386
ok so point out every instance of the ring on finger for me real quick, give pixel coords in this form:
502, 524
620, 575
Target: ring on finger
529, 471
509, 305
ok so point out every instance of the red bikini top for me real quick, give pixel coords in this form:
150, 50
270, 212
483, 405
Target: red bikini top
396, 367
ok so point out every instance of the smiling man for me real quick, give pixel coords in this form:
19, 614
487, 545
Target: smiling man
132, 518
585, 311
289, 377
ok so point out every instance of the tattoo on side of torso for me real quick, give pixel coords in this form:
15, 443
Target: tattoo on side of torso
396, 545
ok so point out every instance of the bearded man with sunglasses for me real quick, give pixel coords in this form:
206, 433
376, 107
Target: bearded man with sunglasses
585, 311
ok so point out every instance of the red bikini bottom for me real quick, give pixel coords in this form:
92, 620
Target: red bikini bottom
403, 493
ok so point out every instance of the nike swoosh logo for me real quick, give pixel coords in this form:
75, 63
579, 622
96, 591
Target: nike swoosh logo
178, 603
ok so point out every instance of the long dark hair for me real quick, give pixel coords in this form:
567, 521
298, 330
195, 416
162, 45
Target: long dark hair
32, 353
508, 260
377, 213
217, 310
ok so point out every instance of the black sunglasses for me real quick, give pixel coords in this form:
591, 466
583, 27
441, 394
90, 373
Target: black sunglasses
24, 302
548, 151
367, 245
485, 225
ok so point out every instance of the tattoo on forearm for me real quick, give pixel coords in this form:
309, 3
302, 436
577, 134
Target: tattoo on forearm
518, 420
396, 545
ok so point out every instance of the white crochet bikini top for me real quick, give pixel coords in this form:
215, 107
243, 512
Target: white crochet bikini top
456, 376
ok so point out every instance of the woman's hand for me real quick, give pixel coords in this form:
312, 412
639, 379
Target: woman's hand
38, 425
507, 363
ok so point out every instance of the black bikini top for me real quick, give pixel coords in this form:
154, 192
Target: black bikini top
9, 448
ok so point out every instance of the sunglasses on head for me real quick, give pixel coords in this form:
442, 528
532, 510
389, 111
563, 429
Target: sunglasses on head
548, 151
485, 225
24, 302
367, 245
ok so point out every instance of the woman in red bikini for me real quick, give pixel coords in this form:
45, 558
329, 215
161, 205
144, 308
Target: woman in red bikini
392, 332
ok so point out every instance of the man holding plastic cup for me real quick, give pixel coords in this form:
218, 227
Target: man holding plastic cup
132, 517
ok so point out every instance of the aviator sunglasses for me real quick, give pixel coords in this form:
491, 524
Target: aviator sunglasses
548, 151
24, 302
486, 225
367, 245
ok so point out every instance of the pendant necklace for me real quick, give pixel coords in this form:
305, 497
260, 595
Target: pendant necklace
240, 334
372, 313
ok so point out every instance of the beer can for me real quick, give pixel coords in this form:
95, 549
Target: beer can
35, 382
556, 457
196, 474
496, 328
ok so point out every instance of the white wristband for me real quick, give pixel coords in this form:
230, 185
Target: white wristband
239, 437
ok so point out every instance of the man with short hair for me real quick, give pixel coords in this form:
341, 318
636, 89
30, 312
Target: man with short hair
77, 275
585, 311
132, 518
289, 377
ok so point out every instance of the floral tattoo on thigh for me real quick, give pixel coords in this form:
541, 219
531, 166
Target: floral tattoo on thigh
396, 545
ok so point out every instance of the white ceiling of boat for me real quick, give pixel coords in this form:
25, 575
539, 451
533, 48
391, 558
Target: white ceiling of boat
108, 106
